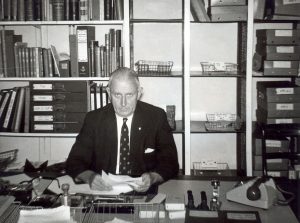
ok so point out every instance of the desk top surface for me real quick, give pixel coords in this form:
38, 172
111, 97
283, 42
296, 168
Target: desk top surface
174, 187
274, 214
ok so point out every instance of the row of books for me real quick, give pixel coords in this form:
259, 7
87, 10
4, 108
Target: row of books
88, 57
57, 10
61, 108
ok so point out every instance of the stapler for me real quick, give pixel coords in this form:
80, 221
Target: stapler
259, 192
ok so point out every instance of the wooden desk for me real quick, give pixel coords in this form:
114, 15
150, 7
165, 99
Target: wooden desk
280, 214
275, 214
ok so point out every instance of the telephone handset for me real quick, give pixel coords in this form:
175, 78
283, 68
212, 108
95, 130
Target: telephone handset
260, 192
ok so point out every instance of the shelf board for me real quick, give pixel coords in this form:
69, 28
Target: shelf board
261, 74
57, 23
54, 79
55, 135
175, 74
156, 20
215, 74
199, 127
277, 20
179, 129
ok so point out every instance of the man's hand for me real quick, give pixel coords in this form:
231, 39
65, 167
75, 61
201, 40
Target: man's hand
97, 183
95, 180
147, 180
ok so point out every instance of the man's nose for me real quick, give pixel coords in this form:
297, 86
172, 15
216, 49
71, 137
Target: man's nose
123, 101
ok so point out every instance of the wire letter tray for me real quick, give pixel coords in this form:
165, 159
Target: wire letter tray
7, 158
154, 68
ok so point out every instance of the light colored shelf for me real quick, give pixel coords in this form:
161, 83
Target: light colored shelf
59, 23
54, 135
55, 79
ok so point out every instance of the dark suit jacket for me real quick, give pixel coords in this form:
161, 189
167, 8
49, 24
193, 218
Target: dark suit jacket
96, 144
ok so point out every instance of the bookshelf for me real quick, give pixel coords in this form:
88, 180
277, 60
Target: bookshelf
278, 22
165, 30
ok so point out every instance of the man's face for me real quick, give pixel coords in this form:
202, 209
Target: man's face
124, 95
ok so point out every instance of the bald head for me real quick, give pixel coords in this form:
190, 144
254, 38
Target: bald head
124, 74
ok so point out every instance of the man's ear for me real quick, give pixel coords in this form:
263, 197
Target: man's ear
140, 92
108, 92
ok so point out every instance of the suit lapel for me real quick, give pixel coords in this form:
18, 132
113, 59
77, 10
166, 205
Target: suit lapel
111, 140
137, 135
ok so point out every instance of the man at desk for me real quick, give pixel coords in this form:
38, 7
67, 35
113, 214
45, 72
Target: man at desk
127, 137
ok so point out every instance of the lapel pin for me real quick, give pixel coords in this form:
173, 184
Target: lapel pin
140, 128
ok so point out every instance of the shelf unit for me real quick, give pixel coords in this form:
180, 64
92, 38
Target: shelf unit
182, 80
254, 77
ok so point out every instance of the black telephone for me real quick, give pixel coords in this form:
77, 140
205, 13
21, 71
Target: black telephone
259, 192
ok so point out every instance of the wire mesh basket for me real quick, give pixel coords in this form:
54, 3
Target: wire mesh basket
7, 158
215, 67
154, 68
218, 169
222, 122
107, 212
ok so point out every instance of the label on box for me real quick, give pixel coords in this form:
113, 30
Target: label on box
283, 121
273, 143
42, 108
274, 160
42, 86
42, 98
284, 106
43, 127
289, 2
282, 64
289, 90
43, 118
284, 32
284, 49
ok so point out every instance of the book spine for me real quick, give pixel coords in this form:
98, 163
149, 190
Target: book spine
38, 10
83, 10
30, 63
3, 106
50, 63
92, 58
95, 10
74, 10
21, 10
73, 55
29, 16
67, 9
102, 56
19, 110
14, 10
16, 55
27, 64
1, 56
84, 35
45, 62
7, 10
58, 9
22, 61
97, 62
107, 9
9, 114
27, 110
1, 10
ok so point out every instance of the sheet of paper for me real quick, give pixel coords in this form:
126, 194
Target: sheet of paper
85, 188
120, 179
54, 215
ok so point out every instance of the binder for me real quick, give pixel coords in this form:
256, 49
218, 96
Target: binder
277, 91
60, 107
281, 68
84, 35
58, 117
278, 36
278, 52
57, 127
58, 86
59, 97
228, 13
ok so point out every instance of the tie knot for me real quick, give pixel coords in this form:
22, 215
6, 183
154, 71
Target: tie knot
125, 120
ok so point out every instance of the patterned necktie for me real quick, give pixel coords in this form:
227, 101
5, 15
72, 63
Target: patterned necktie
124, 165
